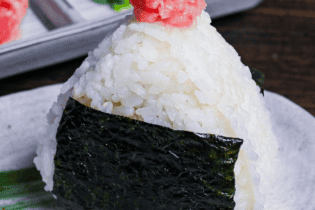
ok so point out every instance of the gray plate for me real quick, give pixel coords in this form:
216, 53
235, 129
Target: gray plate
39, 47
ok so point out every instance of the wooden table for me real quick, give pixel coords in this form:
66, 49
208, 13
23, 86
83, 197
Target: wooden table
276, 37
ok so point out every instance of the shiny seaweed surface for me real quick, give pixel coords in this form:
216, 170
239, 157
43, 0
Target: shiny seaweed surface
259, 78
106, 161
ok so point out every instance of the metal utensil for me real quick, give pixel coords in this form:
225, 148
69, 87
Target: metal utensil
55, 13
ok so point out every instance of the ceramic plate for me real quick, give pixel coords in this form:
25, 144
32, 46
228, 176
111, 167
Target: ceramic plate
23, 123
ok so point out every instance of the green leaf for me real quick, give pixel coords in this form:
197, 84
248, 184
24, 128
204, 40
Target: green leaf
116, 5
101, 1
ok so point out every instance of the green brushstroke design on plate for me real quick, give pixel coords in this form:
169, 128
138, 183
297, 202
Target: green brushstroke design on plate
24, 189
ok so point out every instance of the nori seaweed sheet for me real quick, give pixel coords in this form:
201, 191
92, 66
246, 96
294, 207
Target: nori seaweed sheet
259, 78
106, 161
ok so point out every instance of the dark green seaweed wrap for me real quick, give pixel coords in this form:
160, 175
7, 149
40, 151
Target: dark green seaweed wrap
259, 78
106, 161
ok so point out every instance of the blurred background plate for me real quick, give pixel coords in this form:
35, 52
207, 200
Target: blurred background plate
40, 47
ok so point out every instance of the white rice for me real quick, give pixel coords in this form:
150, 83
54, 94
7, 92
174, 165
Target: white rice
183, 79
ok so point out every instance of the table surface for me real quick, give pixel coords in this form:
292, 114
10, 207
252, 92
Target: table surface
276, 37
